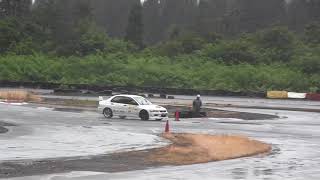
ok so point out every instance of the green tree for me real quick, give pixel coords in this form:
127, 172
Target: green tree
10, 33
16, 8
278, 37
278, 43
186, 43
82, 10
312, 33
230, 52
89, 37
51, 15
134, 31
309, 61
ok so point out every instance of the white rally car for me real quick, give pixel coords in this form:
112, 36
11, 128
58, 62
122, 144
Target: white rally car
131, 106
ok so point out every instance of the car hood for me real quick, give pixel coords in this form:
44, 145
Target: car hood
152, 107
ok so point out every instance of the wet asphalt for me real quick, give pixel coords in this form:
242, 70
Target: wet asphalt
295, 138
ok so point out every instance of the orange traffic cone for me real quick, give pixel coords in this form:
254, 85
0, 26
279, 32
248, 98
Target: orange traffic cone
167, 129
177, 115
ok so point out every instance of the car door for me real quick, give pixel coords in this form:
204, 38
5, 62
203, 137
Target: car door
132, 107
118, 106
124, 106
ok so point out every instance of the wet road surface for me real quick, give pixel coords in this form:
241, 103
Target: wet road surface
295, 138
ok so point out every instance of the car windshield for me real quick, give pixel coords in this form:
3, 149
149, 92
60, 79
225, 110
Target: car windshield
142, 101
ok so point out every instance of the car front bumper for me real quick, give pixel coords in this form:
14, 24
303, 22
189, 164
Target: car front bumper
158, 115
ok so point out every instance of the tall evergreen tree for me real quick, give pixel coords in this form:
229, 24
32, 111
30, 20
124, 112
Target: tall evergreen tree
258, 14
160, 17
82, 10
298, 14
134, 31
52, 16
113, 15
203, 18
153, 30
17, 8
314, 10
177, 14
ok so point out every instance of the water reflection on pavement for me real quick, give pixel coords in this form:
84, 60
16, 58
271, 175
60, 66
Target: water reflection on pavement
295, 139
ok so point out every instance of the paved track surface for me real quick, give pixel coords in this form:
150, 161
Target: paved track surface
295, 138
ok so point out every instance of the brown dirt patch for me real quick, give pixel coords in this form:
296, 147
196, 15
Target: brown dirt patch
19, 96
186, 149
215, 113
201, 148
70, 102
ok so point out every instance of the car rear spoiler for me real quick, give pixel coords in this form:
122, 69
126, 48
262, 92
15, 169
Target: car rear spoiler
101, 98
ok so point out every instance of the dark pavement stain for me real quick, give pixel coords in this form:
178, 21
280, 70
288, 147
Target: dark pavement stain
6, 124
245, 123
3, 125
3, 130
118, 162
68, 110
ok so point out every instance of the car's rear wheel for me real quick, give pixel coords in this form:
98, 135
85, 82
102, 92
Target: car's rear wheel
144, 115
107, 112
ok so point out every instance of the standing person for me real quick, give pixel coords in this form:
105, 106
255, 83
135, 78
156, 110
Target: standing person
197, 103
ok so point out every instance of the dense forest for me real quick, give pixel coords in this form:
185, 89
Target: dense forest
237, 45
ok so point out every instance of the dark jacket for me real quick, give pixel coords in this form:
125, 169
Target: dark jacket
197, 103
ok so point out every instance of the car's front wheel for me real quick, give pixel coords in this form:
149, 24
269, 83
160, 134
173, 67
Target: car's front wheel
107, 112
144, 115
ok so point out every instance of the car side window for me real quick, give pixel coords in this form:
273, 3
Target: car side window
118, 99
131, 101
124, 100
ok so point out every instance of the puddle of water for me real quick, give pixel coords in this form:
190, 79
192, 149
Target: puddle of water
262, 171
6, 124
88, 127
3, 130
239, 173
275, 151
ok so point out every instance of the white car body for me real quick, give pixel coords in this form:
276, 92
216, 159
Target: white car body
131, 106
